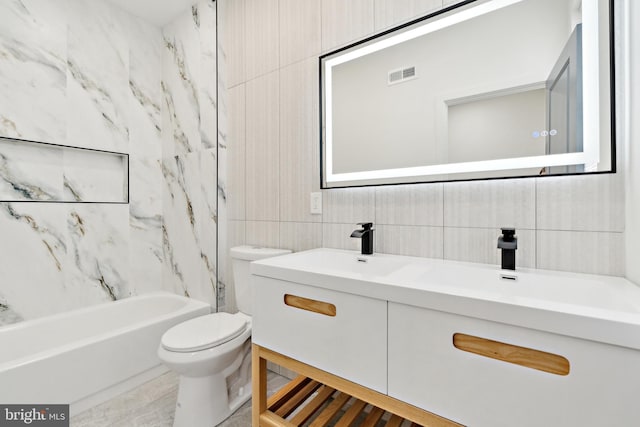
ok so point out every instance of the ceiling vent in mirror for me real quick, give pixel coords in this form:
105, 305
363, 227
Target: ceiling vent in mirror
401, 75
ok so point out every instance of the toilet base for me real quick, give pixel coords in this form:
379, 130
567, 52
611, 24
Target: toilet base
207, 401
204, 401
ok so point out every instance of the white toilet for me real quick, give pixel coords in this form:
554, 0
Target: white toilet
212, 353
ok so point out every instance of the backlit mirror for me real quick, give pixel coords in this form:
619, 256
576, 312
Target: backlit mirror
483, 89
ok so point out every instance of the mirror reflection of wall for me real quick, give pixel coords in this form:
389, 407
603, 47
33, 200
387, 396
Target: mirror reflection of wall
498, 127
485, 88
520, 43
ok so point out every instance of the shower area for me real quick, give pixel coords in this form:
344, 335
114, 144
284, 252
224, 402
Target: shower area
110, 152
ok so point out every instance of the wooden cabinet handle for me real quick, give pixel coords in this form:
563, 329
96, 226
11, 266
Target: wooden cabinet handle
307, 304
523, 356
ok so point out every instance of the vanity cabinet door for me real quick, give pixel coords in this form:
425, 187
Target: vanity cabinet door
341, 333
431, 369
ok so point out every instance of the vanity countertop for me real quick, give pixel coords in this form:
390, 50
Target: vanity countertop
599, 308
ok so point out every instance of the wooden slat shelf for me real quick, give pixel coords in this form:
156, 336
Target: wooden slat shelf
306, 402
319, 399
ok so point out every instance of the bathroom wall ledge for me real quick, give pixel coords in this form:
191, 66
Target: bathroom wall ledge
32, 171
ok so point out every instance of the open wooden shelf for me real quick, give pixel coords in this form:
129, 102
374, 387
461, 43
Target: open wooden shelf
318, 399
306, 402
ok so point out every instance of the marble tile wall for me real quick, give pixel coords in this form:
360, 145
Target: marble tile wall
145, 156
41, 172
85, 73
33, 42
269, 114
58, 257
189, 153
230, 161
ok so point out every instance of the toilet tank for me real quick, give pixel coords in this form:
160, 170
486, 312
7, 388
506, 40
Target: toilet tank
241, 256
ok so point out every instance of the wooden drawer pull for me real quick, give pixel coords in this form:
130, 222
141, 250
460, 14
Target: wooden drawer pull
310, 305
522, 356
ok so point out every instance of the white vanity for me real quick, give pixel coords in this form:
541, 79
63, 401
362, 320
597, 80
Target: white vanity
470, 343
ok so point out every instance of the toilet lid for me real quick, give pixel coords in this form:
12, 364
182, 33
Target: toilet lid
203, 332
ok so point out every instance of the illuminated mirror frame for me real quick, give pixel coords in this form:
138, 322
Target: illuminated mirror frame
590, 155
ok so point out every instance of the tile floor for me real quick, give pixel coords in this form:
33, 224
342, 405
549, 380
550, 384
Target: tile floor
153, 403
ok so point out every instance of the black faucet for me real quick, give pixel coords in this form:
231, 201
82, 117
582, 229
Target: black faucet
366, 234
508, 242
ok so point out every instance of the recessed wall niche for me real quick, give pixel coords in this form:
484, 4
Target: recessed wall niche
41, 172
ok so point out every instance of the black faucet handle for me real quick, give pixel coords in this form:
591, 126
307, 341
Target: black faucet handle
508, 233
366, 225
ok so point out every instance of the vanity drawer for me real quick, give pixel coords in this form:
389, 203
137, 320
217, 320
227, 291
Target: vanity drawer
340, 333
493, 375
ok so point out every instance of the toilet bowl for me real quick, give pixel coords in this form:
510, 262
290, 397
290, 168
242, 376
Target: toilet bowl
205, 351
212, 353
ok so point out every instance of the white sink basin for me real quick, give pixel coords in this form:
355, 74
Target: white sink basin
528, 285
538, 299
342, 263
464, 279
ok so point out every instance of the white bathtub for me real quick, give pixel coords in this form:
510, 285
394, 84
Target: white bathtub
87, 356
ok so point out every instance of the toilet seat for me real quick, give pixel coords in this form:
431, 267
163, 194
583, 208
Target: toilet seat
204, 332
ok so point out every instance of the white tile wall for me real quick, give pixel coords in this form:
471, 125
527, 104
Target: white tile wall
262, 36
490, 204
236, 153
632, 150
263, 145
300, 236
409, 240
581, 203
263, 233
350, 205
581, 251
233, 41
410, 205
299, 155
299, 30
345, 21
392, 12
